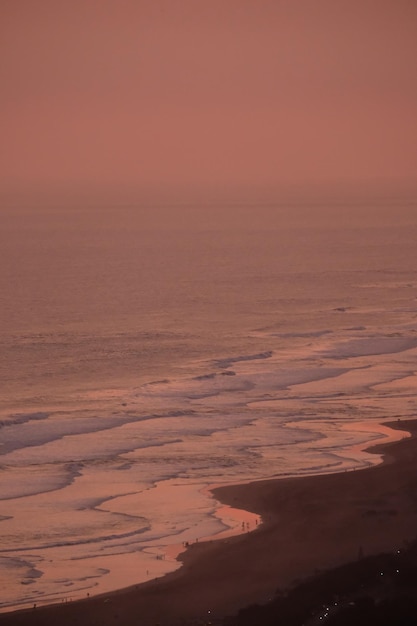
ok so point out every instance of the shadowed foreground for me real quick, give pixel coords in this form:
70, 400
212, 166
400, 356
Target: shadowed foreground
311, 524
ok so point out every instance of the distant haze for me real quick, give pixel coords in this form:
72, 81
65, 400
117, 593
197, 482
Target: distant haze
135, 96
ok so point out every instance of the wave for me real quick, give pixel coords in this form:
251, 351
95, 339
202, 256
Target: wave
21, 418
370, 346
227, 362
79, 541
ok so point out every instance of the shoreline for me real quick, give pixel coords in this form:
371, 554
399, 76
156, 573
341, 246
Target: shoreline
309, 524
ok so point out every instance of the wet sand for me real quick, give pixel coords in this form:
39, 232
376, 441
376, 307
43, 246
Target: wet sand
310, 524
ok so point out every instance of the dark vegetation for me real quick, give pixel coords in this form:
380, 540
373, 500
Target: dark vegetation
378, 591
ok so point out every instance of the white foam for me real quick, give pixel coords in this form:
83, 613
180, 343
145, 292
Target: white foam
123, 484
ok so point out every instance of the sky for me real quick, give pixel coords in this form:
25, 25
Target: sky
135, 96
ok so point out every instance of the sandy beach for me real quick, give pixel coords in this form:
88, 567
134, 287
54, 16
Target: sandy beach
310, 524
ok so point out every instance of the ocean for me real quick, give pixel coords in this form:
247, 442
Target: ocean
148, 353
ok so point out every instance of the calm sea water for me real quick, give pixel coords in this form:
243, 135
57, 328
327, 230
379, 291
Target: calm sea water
147, 353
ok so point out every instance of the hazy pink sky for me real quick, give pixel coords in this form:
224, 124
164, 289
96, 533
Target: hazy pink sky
143, 93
